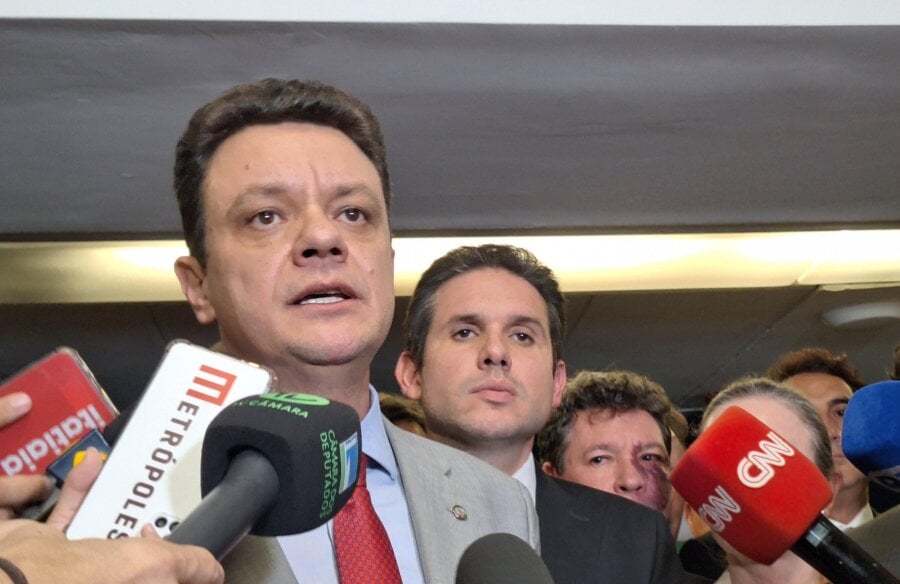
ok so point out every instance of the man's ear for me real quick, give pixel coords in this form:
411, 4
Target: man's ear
559, 382
835, 482
548, 469
192, 278
407, 375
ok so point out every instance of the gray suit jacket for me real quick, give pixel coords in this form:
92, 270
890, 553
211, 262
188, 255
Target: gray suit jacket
436, 479
881, 538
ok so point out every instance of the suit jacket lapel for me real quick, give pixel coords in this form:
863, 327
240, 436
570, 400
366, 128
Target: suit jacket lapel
420, 488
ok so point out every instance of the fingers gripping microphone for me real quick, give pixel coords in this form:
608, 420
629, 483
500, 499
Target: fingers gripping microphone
762, 496
871, 433
273, 464
501, 558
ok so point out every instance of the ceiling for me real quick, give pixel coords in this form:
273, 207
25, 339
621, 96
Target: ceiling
490, 128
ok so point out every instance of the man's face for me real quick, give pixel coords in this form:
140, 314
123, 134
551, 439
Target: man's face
829, 395
620, 453
299, 263
488, 374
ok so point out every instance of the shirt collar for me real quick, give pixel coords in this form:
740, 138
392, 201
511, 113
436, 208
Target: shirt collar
865, 514
526, 476
374, 438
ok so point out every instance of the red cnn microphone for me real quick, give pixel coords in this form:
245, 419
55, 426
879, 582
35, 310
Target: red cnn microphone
764, 497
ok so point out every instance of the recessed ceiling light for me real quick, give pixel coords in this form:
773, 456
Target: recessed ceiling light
863, 316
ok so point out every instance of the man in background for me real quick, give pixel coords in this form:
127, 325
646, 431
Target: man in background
618, 431
484, 332
611, 432
828, 381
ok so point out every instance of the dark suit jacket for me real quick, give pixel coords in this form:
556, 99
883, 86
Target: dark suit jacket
592, 536
703, 555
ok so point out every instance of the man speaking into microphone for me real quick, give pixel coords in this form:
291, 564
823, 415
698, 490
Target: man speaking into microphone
284, 195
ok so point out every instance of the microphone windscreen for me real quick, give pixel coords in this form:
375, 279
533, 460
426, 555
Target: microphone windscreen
753, 488
501, 558
313, 444
871, 432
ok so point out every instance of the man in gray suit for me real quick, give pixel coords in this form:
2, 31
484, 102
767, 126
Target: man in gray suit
284, 195
484, 334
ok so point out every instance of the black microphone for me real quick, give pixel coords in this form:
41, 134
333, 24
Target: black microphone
272, 464
501, 558
843, 561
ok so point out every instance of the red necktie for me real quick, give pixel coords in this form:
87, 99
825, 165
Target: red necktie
361, 545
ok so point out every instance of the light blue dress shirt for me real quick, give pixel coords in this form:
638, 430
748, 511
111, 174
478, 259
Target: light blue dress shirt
311, 554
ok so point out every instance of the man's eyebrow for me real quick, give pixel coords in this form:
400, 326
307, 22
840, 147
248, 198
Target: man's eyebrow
277, 189
347, 189
595, 446
838, 401
517, 320
272, 188
263, 189
469, 318
259, 189
529, 320
650, 444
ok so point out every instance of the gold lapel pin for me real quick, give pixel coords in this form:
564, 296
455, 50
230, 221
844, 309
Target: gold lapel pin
459, 512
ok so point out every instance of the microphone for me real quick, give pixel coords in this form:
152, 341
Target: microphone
68, 408
762, 496
501, 558
870, 437
272, 464
67, 403
153, 472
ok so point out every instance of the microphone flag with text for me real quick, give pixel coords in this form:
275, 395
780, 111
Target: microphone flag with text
273, 464
69, 409
153, 472
67, 405
764, 497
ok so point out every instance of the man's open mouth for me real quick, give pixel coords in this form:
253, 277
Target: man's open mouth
323, 298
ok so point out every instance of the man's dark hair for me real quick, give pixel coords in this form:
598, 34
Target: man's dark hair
615, 391
266, 102
515, 260
815, 360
